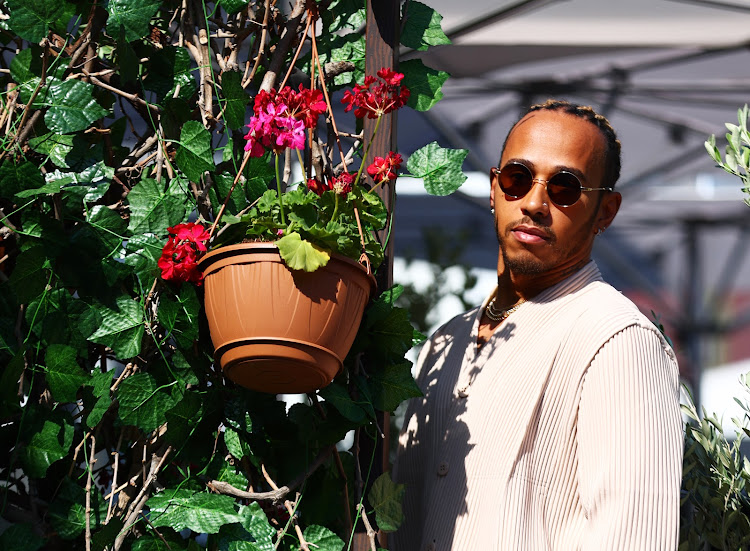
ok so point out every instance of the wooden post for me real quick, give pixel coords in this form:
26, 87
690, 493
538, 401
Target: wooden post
382, 35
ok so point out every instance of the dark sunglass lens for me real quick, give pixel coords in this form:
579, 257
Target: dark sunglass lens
515, 180
564, 189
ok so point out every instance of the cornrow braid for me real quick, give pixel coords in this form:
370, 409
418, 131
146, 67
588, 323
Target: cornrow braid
612, 161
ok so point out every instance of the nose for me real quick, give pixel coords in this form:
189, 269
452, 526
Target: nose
536, 201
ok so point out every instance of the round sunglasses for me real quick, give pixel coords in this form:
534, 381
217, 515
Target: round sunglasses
563, 189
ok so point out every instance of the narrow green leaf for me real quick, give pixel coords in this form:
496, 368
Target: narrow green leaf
236, 99
142, 403
440, 168
386, 497
64, 375
198, 511
424, 84
133, 16
121, 329
194, 156
301, 255
421, 27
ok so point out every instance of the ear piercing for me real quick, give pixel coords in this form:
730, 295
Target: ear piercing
492, 211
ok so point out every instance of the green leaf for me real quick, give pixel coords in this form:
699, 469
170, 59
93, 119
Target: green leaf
17, 177
29, 277
121, 329
101, 406
183, 417
254, 520
322, 539
64, 375
31, 19
236, 445
68, 510
169, 69
194, 156
180, 317
142, 252
55, 146
236, 99
338, 397
386, 497
47, 189
107, 227
439, 167
142, 403
421, 27
167, 542
133, 16
301, 255
424, 84
234, 6
392, 384
198, 511
48, 445
21, 537
72, 107
153, 208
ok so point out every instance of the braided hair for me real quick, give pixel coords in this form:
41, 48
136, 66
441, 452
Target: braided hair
612, 153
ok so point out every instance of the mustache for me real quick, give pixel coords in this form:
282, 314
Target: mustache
528, 221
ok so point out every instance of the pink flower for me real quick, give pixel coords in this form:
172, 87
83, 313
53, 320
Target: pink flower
179, 257
375, 98
386, 168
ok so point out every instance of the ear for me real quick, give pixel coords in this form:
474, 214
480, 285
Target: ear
608, 210
493, 183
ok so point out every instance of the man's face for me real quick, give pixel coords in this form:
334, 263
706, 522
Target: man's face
536, 236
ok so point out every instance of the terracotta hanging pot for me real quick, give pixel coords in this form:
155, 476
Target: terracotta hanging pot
281, 331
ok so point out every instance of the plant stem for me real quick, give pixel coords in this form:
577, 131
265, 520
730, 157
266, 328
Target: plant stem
367, 150
335, 208
278, 190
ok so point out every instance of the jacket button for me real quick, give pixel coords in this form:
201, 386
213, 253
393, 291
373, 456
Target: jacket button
430, 547
463, 392
442, 469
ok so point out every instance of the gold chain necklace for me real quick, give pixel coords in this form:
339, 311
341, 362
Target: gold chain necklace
500, 315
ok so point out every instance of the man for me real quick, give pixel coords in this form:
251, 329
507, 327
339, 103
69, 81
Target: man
551, 416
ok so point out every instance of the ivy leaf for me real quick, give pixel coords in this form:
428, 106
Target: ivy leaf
322, 538
254, 520
72, 107
142, 252
386, 497
233, 6
48, 445
31, 19
133, 16
21, 537
439, 167
183, 417
64, 375
392, 384
336, 395
180, 317
141, 402
301, 255
29, 277
194, 156
422, 27
236, 99
47, 189
107, 228
163, 542
198, 511
121, 329
220, 189
424, 83
97, 412
55, 146
16, 177
166, 70
236, 445
68, 510
153, 208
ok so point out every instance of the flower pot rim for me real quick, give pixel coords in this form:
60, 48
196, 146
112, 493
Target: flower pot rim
269, 247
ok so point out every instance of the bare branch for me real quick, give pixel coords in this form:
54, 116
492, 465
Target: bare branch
284, 45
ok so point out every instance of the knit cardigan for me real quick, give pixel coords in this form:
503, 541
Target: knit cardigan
562, 432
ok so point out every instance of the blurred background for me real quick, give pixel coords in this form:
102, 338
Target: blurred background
667, 74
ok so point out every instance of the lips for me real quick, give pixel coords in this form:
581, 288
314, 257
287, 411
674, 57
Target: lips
530, 234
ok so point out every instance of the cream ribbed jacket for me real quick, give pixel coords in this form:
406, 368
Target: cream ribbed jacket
562, 432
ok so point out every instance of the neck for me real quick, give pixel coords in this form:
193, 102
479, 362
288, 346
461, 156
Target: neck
513, 287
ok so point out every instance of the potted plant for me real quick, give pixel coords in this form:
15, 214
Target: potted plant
288, 278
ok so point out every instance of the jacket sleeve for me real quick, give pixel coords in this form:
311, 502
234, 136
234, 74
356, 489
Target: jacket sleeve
630, 444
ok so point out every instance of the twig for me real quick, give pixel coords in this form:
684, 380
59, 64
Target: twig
144, 517
282, 49
77, 451
129, 367
290, 509
128, 96
137, 506
371, 534
116, 455
88, 494
261, 48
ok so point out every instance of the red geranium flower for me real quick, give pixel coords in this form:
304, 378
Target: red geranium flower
386, 168
179, 257
316, 186
377, 97
342, 184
